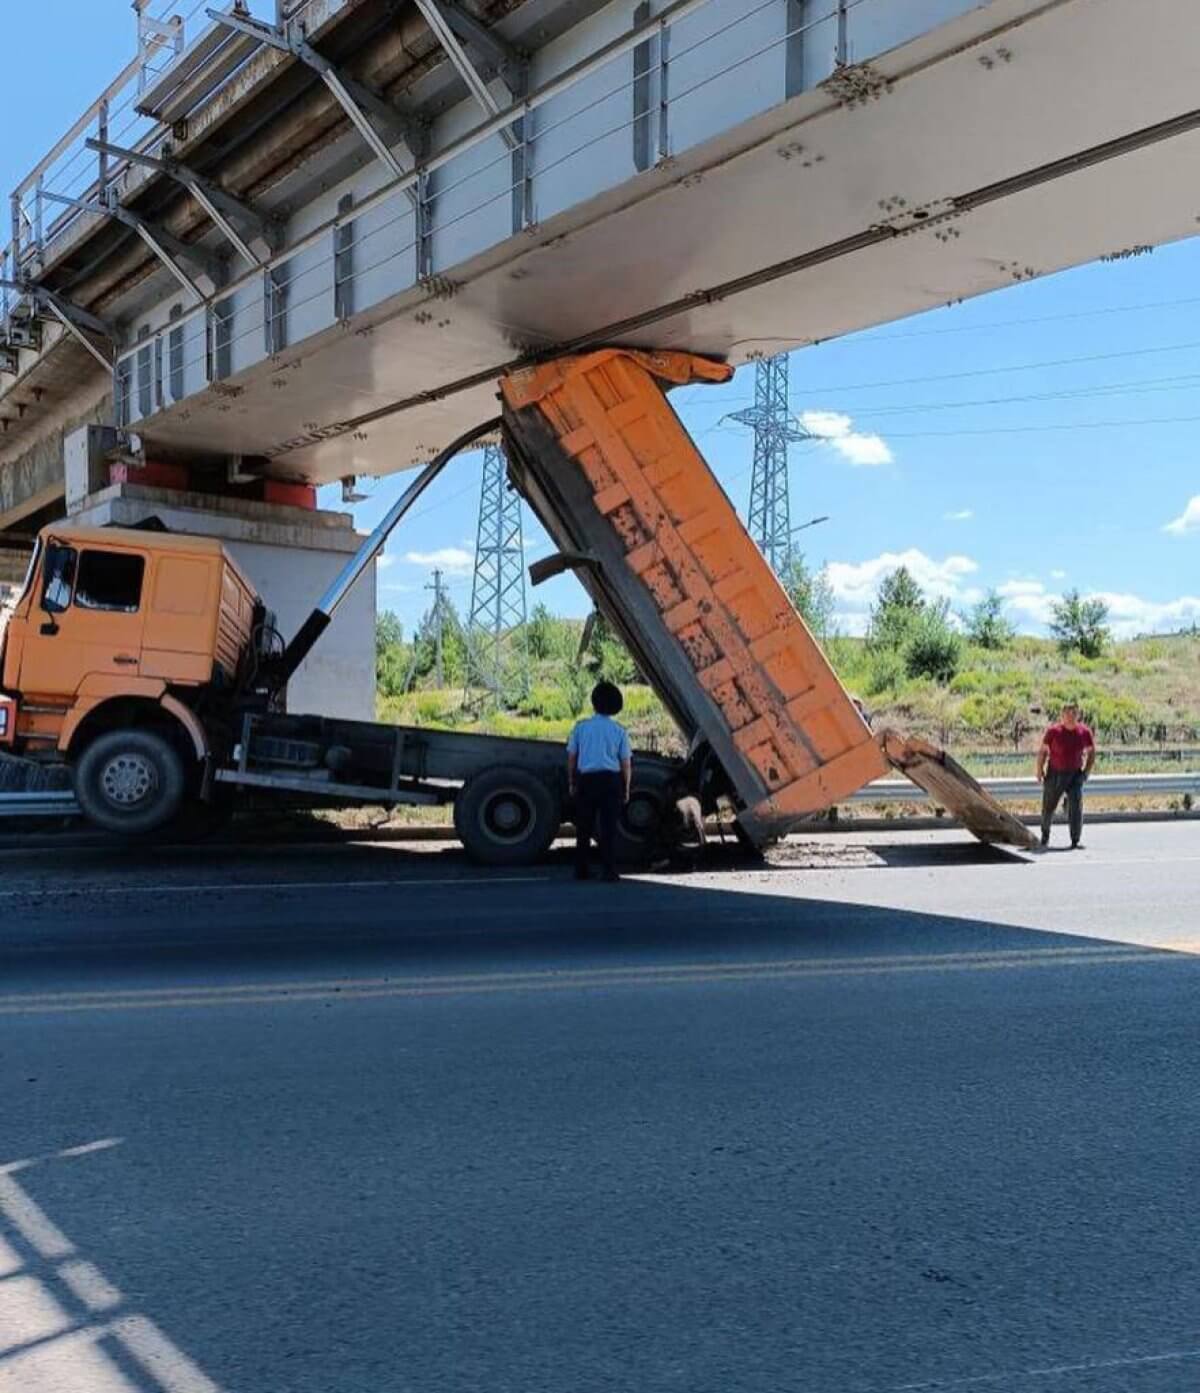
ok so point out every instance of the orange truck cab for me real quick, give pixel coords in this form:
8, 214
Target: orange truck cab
121, 651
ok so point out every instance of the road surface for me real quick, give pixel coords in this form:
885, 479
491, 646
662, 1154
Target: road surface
895, 1113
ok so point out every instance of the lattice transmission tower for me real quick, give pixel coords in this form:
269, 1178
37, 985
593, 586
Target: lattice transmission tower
775, 428
496, 634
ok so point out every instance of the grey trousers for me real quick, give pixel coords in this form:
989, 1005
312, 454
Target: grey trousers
1057, 784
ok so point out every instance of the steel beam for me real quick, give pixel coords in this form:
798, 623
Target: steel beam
493, 46
40, 294
77, 333
167, 247
444, 32
219, 205
356, 99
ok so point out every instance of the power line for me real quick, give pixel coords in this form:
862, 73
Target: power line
861, 335
1110, 389
1034, 430
1015, 367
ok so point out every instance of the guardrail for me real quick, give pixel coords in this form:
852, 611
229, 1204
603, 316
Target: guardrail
1023, 790
62, 804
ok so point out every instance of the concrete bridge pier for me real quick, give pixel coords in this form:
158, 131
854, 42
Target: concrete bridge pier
289, 550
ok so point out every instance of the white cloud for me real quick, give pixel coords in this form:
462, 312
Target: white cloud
963, 515
1058, 575
1188, 520
1131, 614
456, 559
854, 583
1128, 615
383, 562
1028, 600
837, 429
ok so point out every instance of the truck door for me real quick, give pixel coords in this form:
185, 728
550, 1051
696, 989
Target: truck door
87, 620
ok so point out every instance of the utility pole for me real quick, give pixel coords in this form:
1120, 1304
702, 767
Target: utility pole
438, 628
496, 633
774, 429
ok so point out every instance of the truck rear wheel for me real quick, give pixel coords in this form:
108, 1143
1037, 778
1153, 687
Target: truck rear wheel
506, 817
130, 781
639, 830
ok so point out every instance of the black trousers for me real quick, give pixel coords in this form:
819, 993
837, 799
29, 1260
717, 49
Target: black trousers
598, 801
1062, 784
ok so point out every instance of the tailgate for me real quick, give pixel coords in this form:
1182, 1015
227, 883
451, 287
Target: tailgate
617, 482
950, 786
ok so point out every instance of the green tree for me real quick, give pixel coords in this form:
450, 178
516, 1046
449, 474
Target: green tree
539, 633
899, 604
932, 648
987, 624
606, 655
810, 593
1080, 625
392, 654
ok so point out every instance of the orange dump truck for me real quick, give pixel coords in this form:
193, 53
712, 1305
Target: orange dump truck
147, 666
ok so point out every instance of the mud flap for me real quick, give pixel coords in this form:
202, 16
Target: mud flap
952, 788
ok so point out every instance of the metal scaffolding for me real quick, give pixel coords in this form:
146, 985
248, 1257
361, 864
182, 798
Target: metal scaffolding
496, 634
770, 519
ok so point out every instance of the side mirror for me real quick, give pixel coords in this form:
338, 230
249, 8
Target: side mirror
58, 581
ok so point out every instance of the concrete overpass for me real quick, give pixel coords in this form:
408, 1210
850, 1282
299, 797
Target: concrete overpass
330, 226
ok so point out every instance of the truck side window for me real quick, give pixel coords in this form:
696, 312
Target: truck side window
59, 578
110, 580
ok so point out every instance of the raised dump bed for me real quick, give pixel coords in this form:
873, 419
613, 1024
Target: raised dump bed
616, 480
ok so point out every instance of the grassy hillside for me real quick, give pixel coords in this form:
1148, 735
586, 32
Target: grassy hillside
1143, 692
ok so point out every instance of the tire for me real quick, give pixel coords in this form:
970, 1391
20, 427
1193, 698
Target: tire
506, 817
639, 829
130, 782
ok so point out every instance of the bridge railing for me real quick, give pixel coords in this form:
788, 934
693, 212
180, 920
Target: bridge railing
650, 87
73, 171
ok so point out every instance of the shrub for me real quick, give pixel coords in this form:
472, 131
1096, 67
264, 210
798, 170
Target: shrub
1080, 624
885, 674
932, 648
992, 713
987, 625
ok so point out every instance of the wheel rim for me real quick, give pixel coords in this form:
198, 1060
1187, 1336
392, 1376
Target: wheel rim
128, 779
506, 816
640, 815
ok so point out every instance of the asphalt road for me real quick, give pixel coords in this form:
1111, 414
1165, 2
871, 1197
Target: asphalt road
894, 1113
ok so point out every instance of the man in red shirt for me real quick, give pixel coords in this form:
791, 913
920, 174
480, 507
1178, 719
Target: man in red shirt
1070, 751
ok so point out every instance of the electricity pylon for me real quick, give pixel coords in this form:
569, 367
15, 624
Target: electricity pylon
775, 428
496, 635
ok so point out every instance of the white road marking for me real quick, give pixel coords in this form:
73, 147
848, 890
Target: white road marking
69, 1152
1178, 1356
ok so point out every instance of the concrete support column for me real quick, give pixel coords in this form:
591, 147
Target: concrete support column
290, 555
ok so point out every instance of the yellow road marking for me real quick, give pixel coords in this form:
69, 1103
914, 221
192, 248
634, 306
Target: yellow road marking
666, 974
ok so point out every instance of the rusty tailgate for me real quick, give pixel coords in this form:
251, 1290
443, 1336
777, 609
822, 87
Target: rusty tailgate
950, 786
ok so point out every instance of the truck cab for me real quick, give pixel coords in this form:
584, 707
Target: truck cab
123, 633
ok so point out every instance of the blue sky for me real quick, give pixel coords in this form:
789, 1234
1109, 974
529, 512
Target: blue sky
1038, 438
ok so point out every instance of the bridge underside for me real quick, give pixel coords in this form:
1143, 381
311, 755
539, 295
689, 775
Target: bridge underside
1014, 141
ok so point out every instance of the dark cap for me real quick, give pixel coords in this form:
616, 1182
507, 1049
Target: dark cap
607, 699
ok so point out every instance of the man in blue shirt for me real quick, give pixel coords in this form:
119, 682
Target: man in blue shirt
599, 771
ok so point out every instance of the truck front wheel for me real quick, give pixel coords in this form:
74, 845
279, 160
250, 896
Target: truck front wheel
506, 817
130, 781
